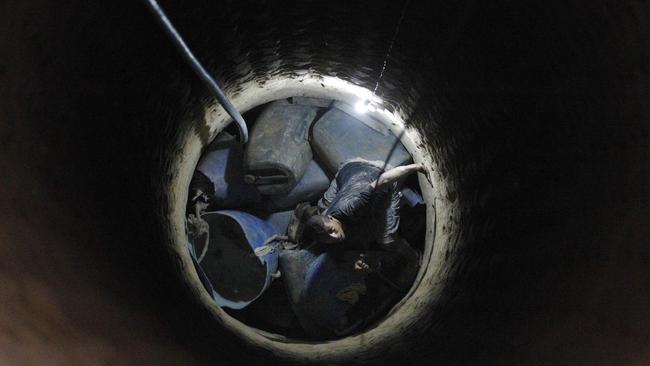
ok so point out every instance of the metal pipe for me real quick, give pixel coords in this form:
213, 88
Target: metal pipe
198, 68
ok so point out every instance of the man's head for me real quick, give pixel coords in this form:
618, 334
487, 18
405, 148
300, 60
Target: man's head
324, 229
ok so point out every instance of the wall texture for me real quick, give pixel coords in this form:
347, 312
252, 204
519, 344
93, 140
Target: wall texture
537, 114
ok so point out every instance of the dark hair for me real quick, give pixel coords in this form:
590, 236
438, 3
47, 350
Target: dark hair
314, 228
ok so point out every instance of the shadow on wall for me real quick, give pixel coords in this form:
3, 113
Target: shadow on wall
537, 114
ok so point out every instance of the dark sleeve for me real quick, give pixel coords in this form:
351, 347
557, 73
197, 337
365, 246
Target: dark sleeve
391, 223
325, 202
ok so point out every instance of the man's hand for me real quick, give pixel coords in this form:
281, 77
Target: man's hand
423, 169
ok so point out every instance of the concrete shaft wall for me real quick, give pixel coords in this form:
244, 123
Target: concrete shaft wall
536, 113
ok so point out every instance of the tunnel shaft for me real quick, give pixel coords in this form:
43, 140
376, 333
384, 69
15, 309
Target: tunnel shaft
535, 114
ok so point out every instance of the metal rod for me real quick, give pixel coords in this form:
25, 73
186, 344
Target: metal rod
198, 68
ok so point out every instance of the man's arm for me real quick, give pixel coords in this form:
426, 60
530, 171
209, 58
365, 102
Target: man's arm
396, 174
325, 202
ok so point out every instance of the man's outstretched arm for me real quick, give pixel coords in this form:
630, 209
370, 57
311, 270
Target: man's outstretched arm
396, 174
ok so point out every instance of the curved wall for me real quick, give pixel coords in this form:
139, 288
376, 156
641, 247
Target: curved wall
536, 115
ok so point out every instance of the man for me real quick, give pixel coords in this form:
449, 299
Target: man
361, 206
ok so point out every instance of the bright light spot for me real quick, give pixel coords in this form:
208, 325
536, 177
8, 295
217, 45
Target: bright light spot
343, 90
347, 87
362, 106
366, 105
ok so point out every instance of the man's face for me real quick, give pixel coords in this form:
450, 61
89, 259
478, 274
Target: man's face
333, 231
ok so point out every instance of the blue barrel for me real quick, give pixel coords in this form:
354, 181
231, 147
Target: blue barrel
324, 288
310, 187
237, 276
279, 220
278, 152
338, 136
324, 280
224, 168
412, 197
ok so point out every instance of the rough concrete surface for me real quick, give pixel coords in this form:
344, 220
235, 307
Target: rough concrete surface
535, 112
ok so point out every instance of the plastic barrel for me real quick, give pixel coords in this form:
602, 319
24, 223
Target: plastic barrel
311, 187
278, 151
316, 284
338, 136
279, 220
325, 278
237, 276
224, 168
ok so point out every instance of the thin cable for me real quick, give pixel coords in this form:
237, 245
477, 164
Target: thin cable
206, 243
390, 47
198, 68
398, 140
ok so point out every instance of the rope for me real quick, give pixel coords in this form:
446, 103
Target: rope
205, 246
390, 47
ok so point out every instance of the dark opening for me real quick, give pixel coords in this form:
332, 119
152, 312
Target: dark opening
229, 179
